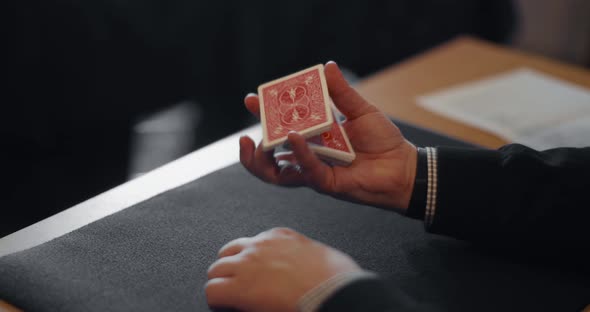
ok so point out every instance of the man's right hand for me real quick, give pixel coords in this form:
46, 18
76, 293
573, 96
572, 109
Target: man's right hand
383, 172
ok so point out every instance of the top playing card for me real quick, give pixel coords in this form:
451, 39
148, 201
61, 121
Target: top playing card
299, 102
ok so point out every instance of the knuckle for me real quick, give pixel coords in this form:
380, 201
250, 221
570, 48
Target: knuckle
248, 258
215, 295
282, 230
232, 247
211, 293
211, 270
259, 244
224, 249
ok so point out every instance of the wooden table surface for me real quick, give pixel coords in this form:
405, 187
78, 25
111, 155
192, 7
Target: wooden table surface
393, 90
464, 59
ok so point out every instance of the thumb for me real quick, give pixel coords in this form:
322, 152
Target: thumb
348, 101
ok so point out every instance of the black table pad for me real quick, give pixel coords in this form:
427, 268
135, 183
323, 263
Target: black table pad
154, 256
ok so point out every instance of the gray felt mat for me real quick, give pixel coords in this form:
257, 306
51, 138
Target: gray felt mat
154, 256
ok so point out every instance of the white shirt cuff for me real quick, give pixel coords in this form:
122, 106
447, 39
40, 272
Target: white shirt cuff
430, 212
311, 301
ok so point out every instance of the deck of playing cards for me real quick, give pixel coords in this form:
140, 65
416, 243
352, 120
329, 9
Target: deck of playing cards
300, 102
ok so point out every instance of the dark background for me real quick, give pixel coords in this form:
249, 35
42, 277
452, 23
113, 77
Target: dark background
79, 74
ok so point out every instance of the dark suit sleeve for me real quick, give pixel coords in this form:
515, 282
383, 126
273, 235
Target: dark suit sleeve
515, 196
375, 295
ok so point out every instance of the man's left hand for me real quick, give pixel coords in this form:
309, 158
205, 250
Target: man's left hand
272, 271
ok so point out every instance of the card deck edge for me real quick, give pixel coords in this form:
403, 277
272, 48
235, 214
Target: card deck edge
332, 153
346, 157
342, 162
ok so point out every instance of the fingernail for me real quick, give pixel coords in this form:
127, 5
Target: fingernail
250, 94
292, 134
335, 64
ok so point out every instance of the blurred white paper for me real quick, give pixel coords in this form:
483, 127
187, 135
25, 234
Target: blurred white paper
522, 106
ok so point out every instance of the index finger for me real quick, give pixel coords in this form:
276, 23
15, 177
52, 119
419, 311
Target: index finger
222, 292
234, 247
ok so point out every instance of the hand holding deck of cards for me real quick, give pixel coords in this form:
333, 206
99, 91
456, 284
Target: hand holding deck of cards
364, 158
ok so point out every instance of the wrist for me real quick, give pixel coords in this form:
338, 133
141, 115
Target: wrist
417, 205
407, 189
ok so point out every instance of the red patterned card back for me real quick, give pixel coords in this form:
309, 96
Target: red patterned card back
299, 102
